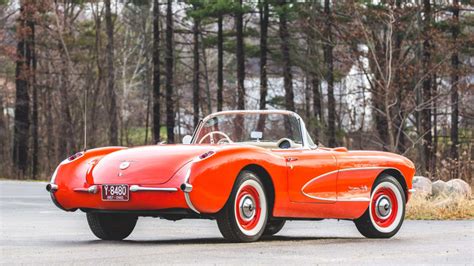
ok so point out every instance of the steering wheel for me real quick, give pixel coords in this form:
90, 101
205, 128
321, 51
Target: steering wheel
284, 143
211, 137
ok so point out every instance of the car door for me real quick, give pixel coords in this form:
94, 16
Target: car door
312, 175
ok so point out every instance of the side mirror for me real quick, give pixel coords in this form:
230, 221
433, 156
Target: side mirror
187, 139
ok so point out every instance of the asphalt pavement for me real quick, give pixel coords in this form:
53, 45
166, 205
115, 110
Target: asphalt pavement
34, 231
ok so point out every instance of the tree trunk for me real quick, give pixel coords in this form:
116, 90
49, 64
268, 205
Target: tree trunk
148, 71
156, 72
317, 107
100, 73
399, 86
426, 93
307, 96
4, 132
263, 54
435, 125
263, 61
22, 103
454, 83
196, 98
206, 77
34, 87
328, 59
240, 57
220, 64
285, 52
109, 27
170, 113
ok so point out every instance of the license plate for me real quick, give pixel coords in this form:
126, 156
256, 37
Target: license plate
115, 192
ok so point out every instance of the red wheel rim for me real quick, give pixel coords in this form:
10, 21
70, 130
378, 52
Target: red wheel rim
384, 207
247, 207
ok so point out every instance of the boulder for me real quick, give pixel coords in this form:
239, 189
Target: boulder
422, 185
458, 188
439, 189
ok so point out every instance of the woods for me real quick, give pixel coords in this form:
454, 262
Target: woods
385, 75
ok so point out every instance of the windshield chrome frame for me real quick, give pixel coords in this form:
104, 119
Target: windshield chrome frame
303, 131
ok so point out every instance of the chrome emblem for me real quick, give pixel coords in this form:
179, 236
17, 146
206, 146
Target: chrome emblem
124, 165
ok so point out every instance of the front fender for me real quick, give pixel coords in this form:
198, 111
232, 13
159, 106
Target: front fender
213, 178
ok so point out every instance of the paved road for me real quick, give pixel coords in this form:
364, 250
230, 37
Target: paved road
34, 231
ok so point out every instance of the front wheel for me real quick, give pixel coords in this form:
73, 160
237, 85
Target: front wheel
386, 211
111, 226
244, 216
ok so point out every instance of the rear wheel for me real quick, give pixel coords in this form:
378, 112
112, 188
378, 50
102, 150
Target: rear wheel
111, 226
273, 227
244, 216
386, 211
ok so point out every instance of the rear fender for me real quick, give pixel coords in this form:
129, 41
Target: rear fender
77, 173
213, 178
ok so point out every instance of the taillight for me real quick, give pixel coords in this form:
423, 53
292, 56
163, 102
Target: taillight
206, 155
75, 156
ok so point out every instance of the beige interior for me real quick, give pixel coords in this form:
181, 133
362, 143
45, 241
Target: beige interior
269, 145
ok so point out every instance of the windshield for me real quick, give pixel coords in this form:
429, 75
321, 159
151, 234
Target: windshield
263, 129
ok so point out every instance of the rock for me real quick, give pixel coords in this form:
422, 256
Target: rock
439, 189
422, 185
458, 188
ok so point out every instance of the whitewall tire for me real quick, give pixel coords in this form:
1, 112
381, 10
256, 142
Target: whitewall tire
386, 210
245, 215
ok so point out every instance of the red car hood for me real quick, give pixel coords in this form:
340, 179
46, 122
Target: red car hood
147, 165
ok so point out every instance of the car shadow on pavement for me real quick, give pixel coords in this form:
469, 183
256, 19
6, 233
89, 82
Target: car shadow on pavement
223, 241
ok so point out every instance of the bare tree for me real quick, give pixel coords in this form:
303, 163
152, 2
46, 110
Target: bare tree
220, 62
113, 126
285, 52
328, 59
170, 114
156, 72
264, 16
23, 82
240, 54
427, 154
196, 87
34, 88
455, 82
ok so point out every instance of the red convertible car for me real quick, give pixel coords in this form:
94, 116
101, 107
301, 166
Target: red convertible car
249, 170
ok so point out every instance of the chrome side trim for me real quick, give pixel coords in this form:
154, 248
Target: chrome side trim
190, 204
412, 190
342, 170
314, 179
53, 177
187, 188
92, 189
353, 199
136, 188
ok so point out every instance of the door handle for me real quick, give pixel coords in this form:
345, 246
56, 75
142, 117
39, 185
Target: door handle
291, 159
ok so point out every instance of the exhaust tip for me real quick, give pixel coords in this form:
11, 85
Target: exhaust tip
51, 187
186, 187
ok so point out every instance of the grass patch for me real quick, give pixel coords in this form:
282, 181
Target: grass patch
441, 208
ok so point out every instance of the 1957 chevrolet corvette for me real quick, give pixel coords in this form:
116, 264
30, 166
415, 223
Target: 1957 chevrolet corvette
249, 170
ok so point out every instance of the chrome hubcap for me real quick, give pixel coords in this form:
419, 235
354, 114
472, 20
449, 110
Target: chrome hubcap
247, 207
383, 207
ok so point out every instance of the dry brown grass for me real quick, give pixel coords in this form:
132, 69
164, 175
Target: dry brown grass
441, 208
